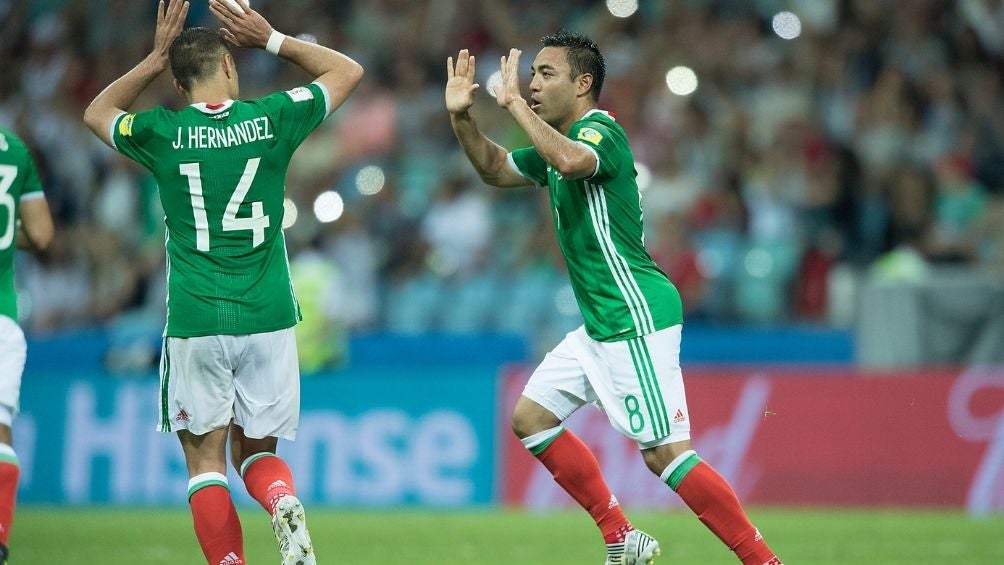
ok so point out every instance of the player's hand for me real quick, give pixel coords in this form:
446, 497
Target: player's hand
508, 91
460, 85
243, 27
170, 22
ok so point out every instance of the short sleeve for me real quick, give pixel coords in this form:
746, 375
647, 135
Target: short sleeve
527, 162
32, 187
297, 112
603, 143
130, 133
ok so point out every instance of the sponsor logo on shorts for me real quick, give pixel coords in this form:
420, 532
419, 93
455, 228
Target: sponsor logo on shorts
679, 416
182, 417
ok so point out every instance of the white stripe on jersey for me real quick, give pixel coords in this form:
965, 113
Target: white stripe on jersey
619, 268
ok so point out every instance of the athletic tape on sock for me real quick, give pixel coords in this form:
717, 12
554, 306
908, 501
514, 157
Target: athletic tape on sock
677, 469
199, 482
539, 441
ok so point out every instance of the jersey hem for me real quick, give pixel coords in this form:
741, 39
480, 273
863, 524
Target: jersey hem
629, 335
217, 331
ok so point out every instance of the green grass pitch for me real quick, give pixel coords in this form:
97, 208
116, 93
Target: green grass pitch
48, 535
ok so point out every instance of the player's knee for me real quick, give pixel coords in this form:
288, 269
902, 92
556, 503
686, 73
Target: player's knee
529, 418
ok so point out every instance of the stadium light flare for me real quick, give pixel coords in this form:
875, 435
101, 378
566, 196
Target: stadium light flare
786, 25
682, 81
622, 8
758, 263
289, 213
370, 180
494, 82
328, 206
644, 178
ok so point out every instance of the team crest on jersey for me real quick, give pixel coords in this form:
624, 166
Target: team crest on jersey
125, 126
590, 135
300, 94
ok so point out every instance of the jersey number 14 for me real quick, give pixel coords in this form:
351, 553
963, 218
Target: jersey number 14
256, 222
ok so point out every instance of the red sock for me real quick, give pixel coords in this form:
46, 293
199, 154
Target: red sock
575, 468
709, 495
267, 478
215, 518
9, 473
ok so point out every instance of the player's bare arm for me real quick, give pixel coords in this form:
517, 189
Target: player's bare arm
570, 159
35, 230
489, 158
120, 95
245, 27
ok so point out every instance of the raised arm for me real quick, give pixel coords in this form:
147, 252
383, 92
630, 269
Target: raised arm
571, 159
247, 28
120, 94
489, 158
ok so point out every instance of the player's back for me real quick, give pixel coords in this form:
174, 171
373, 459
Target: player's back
220, 170
18, 180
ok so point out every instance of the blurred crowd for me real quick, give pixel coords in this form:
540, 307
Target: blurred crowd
870, 144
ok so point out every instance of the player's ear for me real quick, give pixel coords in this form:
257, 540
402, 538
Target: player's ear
181, 89
583, 84
228, 65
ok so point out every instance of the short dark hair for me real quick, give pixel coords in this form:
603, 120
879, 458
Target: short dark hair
195, 53
583, 57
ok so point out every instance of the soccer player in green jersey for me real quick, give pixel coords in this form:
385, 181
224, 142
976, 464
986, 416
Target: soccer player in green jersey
625, 358
229, 364
25, 223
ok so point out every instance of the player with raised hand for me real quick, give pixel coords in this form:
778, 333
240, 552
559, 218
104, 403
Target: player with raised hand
626, 356
229, 364
25, 223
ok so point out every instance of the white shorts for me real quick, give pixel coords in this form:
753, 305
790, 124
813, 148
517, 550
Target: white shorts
13, 350
253, 379
637, 382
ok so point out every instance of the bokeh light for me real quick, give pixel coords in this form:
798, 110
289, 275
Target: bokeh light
786, 25
328, 206
494, 82
289, 213
644, 178
370, 180
681, 81
622, 8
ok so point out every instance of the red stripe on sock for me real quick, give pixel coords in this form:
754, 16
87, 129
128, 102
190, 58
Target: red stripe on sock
576, 470
217, 525
9, 475
268, 479
709, 495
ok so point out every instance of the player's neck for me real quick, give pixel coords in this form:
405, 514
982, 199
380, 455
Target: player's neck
213, 92
577, 114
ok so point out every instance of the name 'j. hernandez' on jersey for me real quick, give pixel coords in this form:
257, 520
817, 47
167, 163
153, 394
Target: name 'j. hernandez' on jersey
220, 171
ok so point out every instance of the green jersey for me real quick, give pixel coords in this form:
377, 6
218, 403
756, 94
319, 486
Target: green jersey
220, 172
18, 182
620, 290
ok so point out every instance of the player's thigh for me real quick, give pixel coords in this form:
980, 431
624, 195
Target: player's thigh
559, 383
640, 386
267, 380
196, 383
12, 357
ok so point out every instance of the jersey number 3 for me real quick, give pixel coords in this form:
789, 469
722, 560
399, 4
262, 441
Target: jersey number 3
256, 222
7, 175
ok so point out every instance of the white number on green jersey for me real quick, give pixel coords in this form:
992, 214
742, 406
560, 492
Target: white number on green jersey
256, 222
7, 175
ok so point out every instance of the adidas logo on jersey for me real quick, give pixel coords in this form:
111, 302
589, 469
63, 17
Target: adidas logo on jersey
679, 417
231, 559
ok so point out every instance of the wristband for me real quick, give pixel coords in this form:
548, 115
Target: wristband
274, 41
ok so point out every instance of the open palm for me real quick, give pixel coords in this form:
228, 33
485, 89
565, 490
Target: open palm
460, 85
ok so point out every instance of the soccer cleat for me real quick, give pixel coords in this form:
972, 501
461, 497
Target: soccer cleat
638, 548
290, 527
